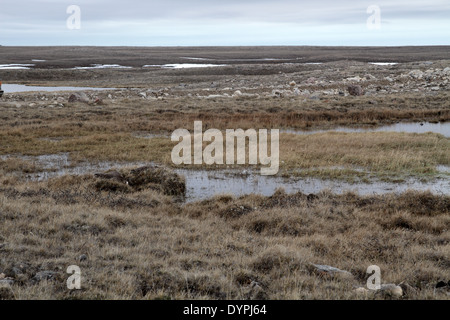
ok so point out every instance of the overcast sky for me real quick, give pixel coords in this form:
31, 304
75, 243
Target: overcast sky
228, 22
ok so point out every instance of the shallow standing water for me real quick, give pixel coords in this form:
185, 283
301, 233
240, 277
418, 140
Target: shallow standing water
13, 88
407, 127
204, 184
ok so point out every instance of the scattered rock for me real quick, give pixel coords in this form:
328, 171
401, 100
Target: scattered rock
355, 90
6, 282
443, 288
292, 83
390, 290
416, 74
277, 93
408, 289
237, 93
311, 80
332, 272
354, 79
79, 97
43, 275
16, 270
442, 284
82, 258
315, 96
216, 96
98, 101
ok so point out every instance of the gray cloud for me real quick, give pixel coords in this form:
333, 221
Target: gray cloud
42, 18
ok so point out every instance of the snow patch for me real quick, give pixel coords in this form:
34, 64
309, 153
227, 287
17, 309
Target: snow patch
15, 66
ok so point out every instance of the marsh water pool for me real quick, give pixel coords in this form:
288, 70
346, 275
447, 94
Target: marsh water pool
407, 127
204, 184
14, 88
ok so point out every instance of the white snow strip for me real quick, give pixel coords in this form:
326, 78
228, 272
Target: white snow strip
103, 66
189, 58
184, 65
15, 66
384, 63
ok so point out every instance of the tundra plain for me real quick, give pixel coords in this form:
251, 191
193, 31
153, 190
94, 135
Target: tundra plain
123, 218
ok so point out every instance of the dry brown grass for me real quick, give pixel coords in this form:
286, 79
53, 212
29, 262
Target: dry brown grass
327, 155
135, 114
17, 165
143, 245
140, 242
382, 153
110, 132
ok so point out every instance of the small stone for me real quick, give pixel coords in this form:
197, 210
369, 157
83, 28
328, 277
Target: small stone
315, 96
391, 290
434, 88
416, 74
332, 272
407, 288
16, 271
311, 80
292, 83
6, 282
43, 275
83, 257
98, 101
277, 93
355, 90
354, 79
79, 97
